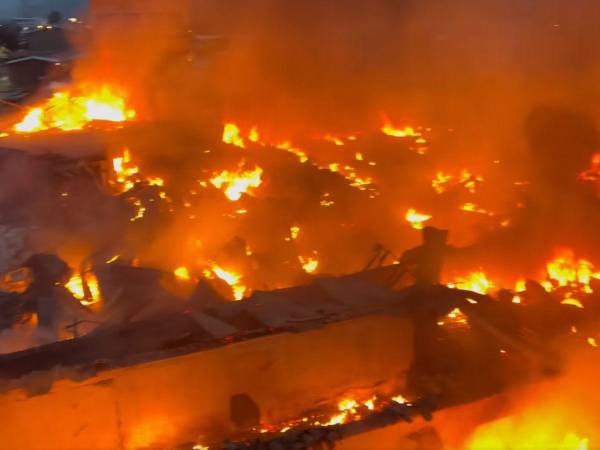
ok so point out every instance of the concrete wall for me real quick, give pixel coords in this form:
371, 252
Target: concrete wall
183, 399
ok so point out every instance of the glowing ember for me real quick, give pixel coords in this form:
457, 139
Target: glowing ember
440, 182
294, 232
455, 317
75, 286
399, 399
125, 172
234, 184
476, 282
472, 207
572, 301
67, 111
309, 264
231, 135
416, 219
254, 136
469, 181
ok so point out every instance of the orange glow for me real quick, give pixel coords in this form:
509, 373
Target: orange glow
416, 219
67, 111
333, 139
593, 173
234, 184
75, 286
501, 440
475, 281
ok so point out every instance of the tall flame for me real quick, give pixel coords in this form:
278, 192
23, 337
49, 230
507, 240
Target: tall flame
67, 111
234, 184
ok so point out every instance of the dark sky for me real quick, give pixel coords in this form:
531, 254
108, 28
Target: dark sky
12, 8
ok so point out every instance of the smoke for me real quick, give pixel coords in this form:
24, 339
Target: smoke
514, 82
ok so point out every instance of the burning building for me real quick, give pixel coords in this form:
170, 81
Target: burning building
245, 247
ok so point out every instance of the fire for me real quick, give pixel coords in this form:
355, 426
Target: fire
33, 121
416, 219
472, 207
475, 281
294, 232
347, 408
333, 139
399, 399
67, 111
234, 184
231, 135
230, 277
443, 181
125, 172
390, 130
309, 264
455, 317
567, 271
182, 273
440, 182
75, 286
500, 435
253, 135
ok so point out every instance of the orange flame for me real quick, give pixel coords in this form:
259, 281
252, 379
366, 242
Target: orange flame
309, 264
182, 273
230, 277
75, 286
231, 135
68, 112
475, 281
234, 184
416, 219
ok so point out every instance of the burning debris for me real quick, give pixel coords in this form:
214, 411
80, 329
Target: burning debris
69, 111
